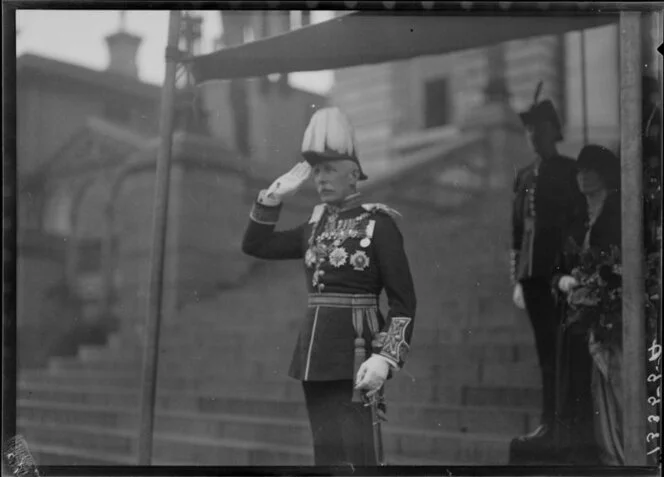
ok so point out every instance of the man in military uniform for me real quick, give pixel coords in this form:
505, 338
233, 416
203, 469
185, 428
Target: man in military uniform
546, 197
351, 252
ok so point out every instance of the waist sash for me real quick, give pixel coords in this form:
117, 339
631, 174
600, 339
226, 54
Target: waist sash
343, 300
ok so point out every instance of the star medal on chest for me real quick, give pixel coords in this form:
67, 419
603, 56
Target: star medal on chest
328, 244
359, 260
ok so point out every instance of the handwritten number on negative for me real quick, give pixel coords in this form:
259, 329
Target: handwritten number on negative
655, 351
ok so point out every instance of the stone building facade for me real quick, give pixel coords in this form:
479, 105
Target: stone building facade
427, 99
87, 145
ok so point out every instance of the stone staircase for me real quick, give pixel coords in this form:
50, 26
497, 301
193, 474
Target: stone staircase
470, 385
220, 404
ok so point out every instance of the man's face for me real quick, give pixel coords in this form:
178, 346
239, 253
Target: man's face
335, 180
541, 136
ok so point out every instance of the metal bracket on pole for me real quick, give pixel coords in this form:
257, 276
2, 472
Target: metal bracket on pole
633, 312
160, 215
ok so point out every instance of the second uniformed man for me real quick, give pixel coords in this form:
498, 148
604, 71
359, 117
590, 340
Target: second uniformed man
546, 199
351, 252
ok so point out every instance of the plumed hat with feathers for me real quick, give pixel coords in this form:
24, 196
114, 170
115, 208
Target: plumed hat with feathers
541, 111
330, 137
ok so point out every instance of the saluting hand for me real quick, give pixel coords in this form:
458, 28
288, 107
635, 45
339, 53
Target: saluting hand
289, 183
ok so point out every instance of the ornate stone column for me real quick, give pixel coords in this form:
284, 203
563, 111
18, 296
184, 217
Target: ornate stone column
497, 122
503, 152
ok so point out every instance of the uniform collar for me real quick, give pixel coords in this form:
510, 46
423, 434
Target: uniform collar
350, 202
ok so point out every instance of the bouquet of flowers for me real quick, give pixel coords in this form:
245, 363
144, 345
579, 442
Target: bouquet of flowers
596, 302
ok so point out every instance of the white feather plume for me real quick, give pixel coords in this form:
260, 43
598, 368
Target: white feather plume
320, 126
329, 126
307, 140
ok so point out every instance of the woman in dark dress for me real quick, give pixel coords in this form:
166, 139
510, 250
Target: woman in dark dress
589, 378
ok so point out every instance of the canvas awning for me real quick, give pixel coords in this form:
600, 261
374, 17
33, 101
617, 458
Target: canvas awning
366, 37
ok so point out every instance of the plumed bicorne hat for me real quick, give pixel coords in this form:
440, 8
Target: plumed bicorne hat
330, 137
541, 111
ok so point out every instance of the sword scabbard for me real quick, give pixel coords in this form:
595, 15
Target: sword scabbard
377, 434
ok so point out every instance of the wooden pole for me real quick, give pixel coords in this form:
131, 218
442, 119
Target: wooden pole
584, 88
634, 344
151, 350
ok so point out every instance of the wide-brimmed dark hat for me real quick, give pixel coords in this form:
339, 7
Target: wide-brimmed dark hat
330, 137
540, 112
601, 160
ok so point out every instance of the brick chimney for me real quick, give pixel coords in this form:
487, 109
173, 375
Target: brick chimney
122, 50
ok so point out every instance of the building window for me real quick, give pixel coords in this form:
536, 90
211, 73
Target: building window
57, 215
436, 103
248, 34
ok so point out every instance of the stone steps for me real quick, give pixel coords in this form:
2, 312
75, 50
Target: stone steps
175, 447
470, 419
463, 448
399, 389
498, 374
270, 430
58, 455
433, 352
240, 335
198, 369
455, 403
239, 440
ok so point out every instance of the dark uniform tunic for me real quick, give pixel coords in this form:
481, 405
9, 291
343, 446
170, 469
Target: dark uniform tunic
350, 255
546, 200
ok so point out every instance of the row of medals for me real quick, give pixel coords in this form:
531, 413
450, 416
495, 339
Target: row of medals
335, 234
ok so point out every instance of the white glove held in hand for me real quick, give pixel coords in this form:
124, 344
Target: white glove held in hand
372, 374
289, 183
517, 297
566, 283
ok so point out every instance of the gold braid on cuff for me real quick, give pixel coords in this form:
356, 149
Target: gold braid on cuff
263, 214
394, 345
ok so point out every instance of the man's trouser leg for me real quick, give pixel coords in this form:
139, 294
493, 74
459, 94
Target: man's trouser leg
541, 308
342, 430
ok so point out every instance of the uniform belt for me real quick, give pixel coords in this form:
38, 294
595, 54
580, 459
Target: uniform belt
343, 300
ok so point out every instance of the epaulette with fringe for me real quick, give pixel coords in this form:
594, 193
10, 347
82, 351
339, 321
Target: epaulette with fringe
381, 208
317, 213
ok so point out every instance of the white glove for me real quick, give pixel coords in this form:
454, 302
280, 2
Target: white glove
372, 374
566, 283
289, 183
517, 297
